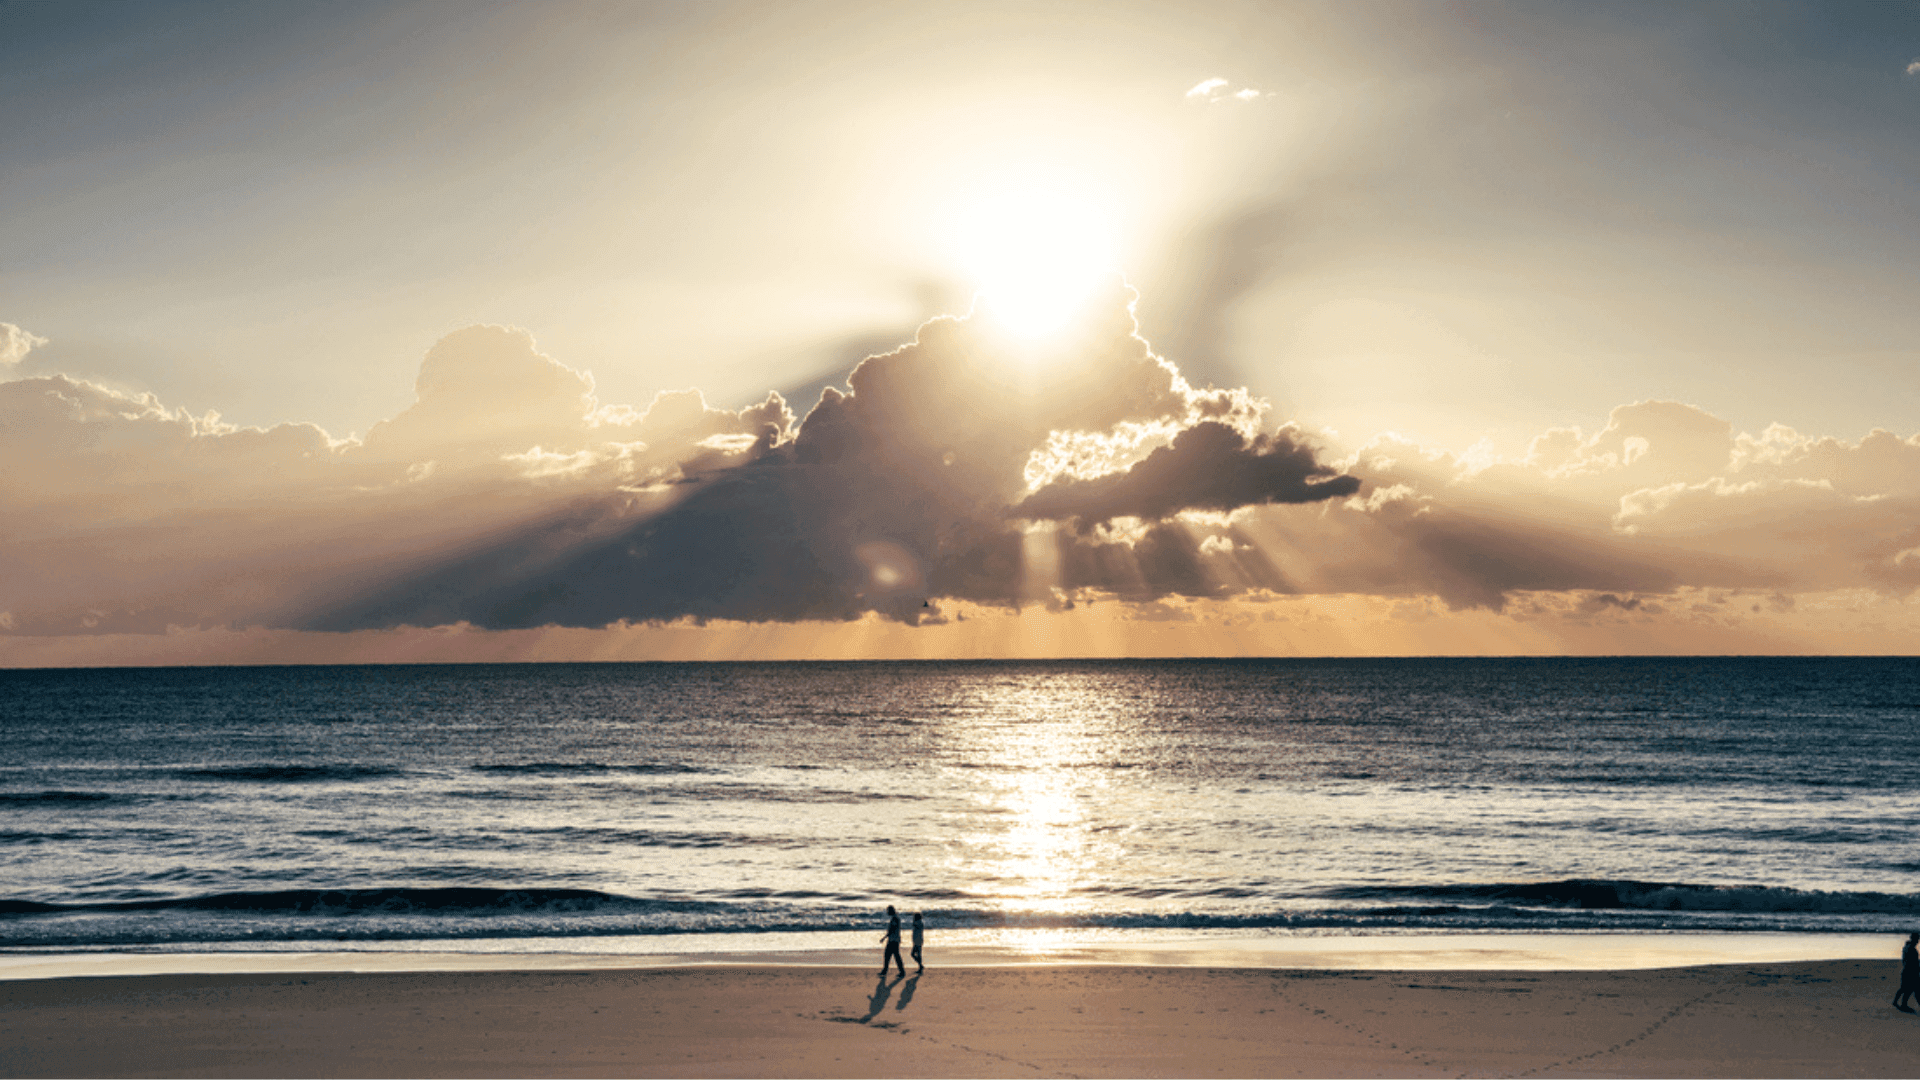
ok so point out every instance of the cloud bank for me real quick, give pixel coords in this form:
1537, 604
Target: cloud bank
966, 466
910, 487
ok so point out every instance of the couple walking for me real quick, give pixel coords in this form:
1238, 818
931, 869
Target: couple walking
892, 939
1909, 973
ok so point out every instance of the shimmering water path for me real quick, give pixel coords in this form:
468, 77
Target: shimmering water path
216, 808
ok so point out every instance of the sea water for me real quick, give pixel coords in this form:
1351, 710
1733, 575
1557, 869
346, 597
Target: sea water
607, 804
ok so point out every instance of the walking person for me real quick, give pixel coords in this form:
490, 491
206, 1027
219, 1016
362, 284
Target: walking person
919, 939
1909, 974
892, 938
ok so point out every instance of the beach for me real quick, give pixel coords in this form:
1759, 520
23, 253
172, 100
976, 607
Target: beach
1267, 868
1810, 1018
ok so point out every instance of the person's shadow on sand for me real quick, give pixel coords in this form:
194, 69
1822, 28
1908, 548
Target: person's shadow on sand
876, 1004
882, 990
906, 993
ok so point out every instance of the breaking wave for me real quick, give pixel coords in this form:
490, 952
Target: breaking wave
470, 912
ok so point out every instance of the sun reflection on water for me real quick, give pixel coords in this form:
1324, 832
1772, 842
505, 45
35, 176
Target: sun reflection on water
1042, 753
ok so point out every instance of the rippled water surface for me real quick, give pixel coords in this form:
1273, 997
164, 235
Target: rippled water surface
196, 806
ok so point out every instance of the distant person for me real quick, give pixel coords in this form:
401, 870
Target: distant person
919, 939
892, 938
1909, 974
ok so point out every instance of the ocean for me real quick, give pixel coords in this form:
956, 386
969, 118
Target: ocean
595, 806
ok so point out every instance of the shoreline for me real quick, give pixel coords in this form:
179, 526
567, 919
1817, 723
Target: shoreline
1807, 1018
1378, 952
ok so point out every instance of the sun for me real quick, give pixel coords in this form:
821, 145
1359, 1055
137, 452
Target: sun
1035, 246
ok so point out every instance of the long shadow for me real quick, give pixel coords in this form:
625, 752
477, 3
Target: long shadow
882, 990
906, 992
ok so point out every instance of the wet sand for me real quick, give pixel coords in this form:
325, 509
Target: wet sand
1818, 1018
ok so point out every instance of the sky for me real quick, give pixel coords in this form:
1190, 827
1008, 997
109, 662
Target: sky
550, 331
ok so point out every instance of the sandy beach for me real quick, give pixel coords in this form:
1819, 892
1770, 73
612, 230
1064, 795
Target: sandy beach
1817, 1018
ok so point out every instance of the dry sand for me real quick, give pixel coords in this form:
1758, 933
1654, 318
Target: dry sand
1822, 1018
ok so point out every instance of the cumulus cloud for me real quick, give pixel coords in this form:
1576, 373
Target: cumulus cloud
898, 492
963, 466
16, 343
76, 450
485, 390
1665, 496
488, 403
1914, 68
125, 515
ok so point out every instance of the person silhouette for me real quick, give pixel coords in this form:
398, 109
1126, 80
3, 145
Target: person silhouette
919, 939
1909, 974
892, 939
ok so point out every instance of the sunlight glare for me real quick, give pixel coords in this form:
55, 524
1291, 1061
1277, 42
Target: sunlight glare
1035, 247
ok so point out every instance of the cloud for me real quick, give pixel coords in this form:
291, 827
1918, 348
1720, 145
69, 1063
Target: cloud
1600, 602
898, 492
484, 390
125, 515
1215, 89
16, 343
507, 495
960, 470
1914, 68
1665, 496
81, 452
488, 403
1209, 466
